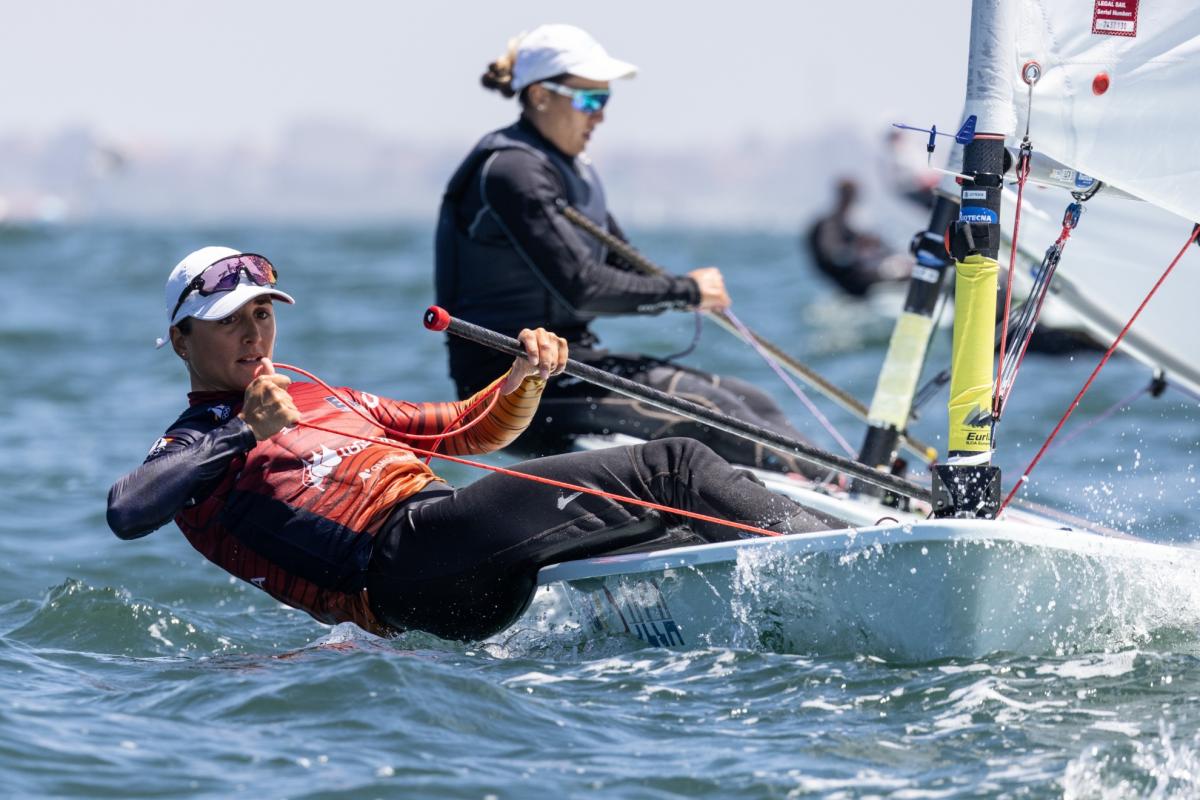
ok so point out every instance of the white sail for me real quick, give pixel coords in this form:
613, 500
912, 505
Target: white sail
1117, 95
1115, 255
1116, 101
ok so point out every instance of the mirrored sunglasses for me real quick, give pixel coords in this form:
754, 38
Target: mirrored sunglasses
224, 275
589, 101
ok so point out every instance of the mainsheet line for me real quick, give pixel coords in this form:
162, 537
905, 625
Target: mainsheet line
502, 470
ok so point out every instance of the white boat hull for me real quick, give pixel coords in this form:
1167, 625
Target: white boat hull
913, 592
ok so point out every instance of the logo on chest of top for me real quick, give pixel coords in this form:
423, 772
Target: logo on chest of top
368, 400
320, 465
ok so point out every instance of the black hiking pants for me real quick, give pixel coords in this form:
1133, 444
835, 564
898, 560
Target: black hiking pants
463, 563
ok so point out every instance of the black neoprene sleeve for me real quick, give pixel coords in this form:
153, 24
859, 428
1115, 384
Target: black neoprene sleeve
181, 470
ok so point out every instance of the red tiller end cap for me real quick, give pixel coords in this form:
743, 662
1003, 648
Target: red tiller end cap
437, 318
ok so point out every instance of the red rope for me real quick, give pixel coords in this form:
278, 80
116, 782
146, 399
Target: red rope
1103, 360
1022, 175
503, 471
493, 394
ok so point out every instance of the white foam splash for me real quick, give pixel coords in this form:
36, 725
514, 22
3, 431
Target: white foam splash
527, 679
1105, 665
825, 705
1126, 728
833, 787
655, 691
1161, 769
155, 629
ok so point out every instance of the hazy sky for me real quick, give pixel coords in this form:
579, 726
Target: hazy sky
711, 72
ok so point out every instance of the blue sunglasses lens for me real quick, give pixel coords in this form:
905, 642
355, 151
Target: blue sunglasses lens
590, 101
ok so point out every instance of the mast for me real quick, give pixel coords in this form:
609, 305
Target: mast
892, 402
968, 485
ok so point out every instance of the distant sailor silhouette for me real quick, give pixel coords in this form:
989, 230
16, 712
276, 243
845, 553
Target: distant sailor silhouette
854, 260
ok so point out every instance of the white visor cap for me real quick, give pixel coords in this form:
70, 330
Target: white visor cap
214, 306
550, 50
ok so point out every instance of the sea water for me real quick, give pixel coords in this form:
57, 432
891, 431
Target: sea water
137, 669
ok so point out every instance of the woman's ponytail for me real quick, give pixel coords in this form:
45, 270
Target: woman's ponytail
499, 73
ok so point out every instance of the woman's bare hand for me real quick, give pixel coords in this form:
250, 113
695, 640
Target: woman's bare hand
713, 296
268, 408
545, 354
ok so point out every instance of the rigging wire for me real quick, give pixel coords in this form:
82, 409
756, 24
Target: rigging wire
1120, 405
573, 487
1023, 163
1099, 366
748, 337
1031, 311
1031, 73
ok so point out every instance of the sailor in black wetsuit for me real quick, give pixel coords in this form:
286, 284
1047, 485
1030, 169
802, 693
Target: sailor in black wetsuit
854, 260
507, 258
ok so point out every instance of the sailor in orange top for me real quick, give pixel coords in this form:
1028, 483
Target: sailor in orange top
348, 528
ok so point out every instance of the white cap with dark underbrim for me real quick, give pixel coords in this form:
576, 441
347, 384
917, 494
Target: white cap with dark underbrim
213, 306
550, 50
